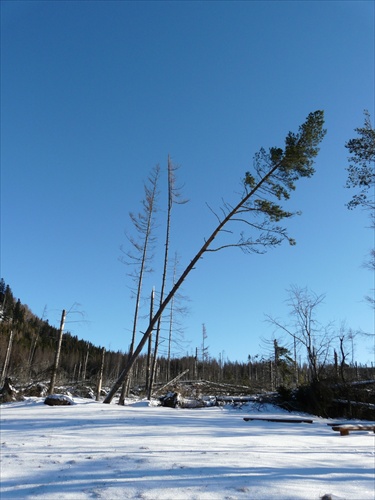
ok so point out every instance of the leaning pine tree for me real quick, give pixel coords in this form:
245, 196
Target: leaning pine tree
260, 211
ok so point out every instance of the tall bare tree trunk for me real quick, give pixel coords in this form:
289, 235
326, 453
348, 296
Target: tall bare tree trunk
57, 355
171, 322
100, 379
85, 363
144, 226
296, 380
149, 350
164, 277
35, 343
170, 332
204, 349
7, 357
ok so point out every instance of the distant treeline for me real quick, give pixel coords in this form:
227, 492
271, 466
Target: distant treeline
28, 345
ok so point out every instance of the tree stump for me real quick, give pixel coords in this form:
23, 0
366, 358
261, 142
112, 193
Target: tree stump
170, 399
8, 392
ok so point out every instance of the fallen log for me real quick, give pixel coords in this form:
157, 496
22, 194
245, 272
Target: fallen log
370, 406
171, 382
237, 399
281, 420
347, 428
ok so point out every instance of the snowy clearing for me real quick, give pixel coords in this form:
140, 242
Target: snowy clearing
91, 450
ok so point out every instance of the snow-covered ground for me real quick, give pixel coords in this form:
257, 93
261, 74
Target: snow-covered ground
91, 450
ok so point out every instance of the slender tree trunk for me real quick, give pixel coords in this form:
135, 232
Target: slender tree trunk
7, 357
171, 319
32, 352
296, 381
150, 210
343, 359
100, 379
204, 349
149, 350
57, 355
34, 345
172, 381
336, 366
164, 278
85, 363
170, 341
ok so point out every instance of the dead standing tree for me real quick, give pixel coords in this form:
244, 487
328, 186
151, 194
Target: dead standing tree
205, 355
55, 367
57, 354
144, 225
305, 330
173, 197
274, 175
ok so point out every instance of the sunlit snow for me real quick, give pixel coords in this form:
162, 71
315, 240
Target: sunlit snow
92, 450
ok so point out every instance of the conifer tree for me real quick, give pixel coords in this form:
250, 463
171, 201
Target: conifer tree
272, 180
361, 176
361, 169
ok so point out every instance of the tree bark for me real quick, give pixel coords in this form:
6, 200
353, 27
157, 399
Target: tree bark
164, 277
100, 380
146, 229
57, 356
7, 357
149, 350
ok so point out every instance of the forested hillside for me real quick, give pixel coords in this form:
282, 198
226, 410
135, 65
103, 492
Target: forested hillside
28, 348
29, 343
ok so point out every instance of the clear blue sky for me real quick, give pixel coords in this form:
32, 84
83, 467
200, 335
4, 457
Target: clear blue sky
95, 94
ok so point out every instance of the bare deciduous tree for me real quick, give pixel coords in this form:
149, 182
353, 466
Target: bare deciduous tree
306, 330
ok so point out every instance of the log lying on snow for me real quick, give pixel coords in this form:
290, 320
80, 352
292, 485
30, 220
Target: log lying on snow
370, 406
237, 399
174, 400
281, 420
347, 428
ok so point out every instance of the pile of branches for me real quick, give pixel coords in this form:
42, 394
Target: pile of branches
203, 393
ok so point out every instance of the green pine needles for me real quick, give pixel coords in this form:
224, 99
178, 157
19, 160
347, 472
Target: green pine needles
273, 179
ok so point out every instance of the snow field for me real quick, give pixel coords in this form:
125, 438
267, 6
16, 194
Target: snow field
91, 450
